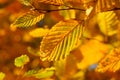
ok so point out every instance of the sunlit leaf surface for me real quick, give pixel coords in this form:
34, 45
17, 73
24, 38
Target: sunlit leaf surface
55, 39
107, 22
92, 52
26, 2
39, 32
42, 73
28, 19
60, 40
105, 5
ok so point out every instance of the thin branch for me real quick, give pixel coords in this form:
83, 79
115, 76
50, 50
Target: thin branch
66, 9
74, 9
41, 10
114, 9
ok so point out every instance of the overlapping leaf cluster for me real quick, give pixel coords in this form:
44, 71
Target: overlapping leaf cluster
102, 31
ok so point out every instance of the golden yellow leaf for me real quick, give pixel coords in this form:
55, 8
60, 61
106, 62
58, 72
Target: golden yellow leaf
28, 19
92, 52
106, 5
60, 40
51, 2
2, 75
38, 32
107, 22
67, 14
66, 68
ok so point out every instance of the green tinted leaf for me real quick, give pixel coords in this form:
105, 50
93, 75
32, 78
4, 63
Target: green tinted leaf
21, 61
26, 2
45, 73
2, 75
30, 73
28, 19
42, 73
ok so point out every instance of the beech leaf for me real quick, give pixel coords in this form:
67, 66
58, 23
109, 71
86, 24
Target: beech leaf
28, 19
60, 40
110, 62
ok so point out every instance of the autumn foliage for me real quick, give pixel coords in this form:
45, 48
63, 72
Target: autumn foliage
60, 39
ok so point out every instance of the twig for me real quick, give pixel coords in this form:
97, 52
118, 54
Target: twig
41, 10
